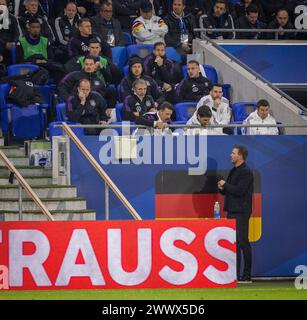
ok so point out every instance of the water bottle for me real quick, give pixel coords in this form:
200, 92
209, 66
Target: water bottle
216, 210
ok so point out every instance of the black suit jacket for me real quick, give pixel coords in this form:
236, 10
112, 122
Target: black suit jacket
238, 190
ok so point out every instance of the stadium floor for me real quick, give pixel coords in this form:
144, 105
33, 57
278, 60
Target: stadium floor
257, 290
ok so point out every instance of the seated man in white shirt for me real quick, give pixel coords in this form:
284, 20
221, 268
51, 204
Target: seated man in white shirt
203, 120
218, 104
260, 116
148, 28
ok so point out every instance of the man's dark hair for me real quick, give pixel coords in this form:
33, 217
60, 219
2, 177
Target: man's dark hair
282, 9
166, 105
222, 2
83, 80
217, 85
159, 44
252, 8
262, 103
204, 111
84, 20
33, 20
94, 40
193, 62
105, 3
183, 2
88, 57
242, 150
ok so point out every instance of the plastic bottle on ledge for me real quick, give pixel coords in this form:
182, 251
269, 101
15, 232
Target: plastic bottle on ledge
216, 210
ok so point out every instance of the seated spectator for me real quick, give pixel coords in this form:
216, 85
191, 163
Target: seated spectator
164, 71
218, 104
108, 28
148, 28
271, 8
35, 48
281, 22
106, 70
218, 18
79, 44
136, 71
180, 28
260, 116
9, 31
138, 103
70, 82
86, 106
195, 86
203, 119
67, 25
31, 12
126, 11
157, 121
241, 6
250, 21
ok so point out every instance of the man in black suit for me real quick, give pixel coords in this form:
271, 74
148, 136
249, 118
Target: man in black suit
238, 191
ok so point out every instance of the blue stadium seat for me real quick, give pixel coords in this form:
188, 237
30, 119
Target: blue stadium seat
119, 56
128, 38
210, 71
47, 90
172, 54
28, 122
13, 54
119, 112
141, 50
184, 110
126, 70
241, 110
60, 110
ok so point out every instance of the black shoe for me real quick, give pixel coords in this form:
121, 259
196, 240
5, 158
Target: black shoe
245, 279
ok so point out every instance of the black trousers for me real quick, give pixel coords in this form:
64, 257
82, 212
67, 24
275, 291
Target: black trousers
243, 245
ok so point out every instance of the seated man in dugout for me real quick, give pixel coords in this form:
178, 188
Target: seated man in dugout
260, 116
87, 107
203, 119
158, 120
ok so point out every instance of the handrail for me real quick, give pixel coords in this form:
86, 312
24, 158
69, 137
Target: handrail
253, 72
25, 185
231, 30
100, 171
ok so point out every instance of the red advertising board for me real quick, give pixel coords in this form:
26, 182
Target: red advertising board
118, 254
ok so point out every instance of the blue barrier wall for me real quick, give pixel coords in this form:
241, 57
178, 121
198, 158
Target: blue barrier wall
281, 163
278, 63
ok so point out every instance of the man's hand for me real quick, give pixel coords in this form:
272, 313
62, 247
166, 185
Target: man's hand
102, 122
167, 87
108, 112
217, 102
159, 61
221, 184
9, 45
40, 61
161, 125
82, 97
81, 10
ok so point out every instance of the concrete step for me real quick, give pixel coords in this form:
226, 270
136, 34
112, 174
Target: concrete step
46, 191
32, 180
56, 204
27, 170
13, 150
17, 161
63, 215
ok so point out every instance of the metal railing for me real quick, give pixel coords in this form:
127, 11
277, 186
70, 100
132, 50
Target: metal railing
236, 30
22, 184
108, 182
257, 75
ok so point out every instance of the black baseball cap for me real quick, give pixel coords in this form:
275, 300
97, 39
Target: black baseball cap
146, 6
